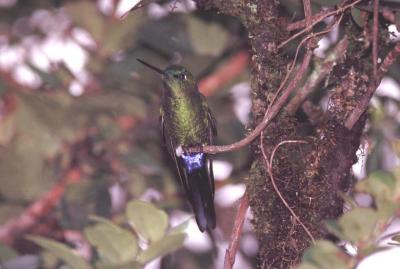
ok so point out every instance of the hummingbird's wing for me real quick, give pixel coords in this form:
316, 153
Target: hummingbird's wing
211, 120
212, 133
171, 151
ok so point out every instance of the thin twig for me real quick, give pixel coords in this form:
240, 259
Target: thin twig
302, 23
271, 176
363, 105
375, 38
236, 232
338, 11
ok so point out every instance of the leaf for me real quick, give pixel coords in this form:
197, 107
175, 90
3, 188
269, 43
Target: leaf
160, 248
206, 38
383, 187
358, 224
181, 228
334, 228
61, 251
86, 15
130, 265
115, 245
325, 254
147, 220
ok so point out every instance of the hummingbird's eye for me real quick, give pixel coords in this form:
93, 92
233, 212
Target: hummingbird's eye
182, 76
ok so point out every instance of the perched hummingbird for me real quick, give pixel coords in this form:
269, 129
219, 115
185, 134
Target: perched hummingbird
186, 121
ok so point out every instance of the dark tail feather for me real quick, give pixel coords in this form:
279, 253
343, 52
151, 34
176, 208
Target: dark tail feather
202, 198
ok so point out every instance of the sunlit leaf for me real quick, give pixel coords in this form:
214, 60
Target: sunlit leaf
325, 254
384, 188
206, 38
150, 222
160, 248
115, 245
358, 224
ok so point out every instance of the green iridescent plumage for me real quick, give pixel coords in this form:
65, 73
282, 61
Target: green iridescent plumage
186, 121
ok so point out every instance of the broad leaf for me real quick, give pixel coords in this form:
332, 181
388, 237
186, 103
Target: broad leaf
114, 244
150, 222
157, 249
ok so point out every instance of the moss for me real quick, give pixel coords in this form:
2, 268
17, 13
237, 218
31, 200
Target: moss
309, 176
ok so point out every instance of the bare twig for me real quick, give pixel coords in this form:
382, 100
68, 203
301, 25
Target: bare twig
336, 12
302, 23
271, 176
236, 232
320, 72
375, 38
363, 105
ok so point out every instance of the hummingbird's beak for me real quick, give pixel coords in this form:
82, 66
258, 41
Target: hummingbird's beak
158, 70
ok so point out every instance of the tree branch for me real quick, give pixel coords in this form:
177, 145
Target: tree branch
363, 105
236, 232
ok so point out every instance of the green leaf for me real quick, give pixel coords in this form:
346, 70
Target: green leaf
307, 265
160, 248
181, 228
130, 265
358, 224
115, 245
61, 251
382, 186
325, 254
147, 220
206, 38
334, 228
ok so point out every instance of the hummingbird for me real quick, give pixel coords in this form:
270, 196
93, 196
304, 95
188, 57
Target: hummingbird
186, 121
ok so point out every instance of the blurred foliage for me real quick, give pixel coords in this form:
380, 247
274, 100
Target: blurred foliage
118, 247
91, 126
360, 227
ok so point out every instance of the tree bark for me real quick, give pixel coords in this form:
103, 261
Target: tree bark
311, 177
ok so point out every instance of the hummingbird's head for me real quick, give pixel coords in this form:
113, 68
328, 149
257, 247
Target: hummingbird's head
175, 77
178, 77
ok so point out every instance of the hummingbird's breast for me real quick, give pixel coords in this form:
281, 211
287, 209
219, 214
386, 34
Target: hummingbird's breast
186, 120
